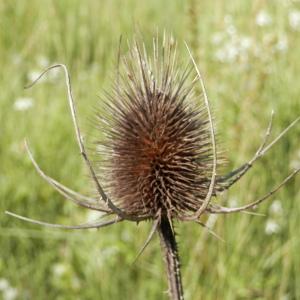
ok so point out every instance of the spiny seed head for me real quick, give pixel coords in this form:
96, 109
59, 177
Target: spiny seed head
157, 147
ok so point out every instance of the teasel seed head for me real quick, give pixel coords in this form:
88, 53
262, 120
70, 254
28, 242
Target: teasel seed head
156, 154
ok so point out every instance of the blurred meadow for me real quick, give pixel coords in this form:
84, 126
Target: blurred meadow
249, 54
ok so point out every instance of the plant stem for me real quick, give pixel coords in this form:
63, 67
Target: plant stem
169, 248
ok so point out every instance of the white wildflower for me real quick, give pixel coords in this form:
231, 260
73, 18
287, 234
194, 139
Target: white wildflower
59, 269
295, 163
237, 47
75, 283
54, 73
232, 51
220, 55
294, 19
228, 53
43, 61
231, 30
93, 215
282, 44
233, 202
276, 207
10, 293
4, 284
126, 236
23, 103
263, 19
107, 253
16, 59
245, 42
51, 75
211, 220
272, 227
285, 297
33, 75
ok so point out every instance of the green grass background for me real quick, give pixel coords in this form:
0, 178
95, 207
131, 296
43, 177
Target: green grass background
56, 264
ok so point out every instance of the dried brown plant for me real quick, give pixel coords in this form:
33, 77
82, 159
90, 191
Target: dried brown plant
158, 157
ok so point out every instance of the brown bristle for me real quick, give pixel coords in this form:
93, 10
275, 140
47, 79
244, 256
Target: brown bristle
157, 152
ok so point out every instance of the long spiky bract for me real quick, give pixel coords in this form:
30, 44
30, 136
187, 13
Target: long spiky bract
157, 150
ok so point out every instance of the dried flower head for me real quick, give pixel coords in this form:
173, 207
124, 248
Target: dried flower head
158, 154
157, 151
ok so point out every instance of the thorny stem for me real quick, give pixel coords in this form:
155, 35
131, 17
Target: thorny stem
169, 247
